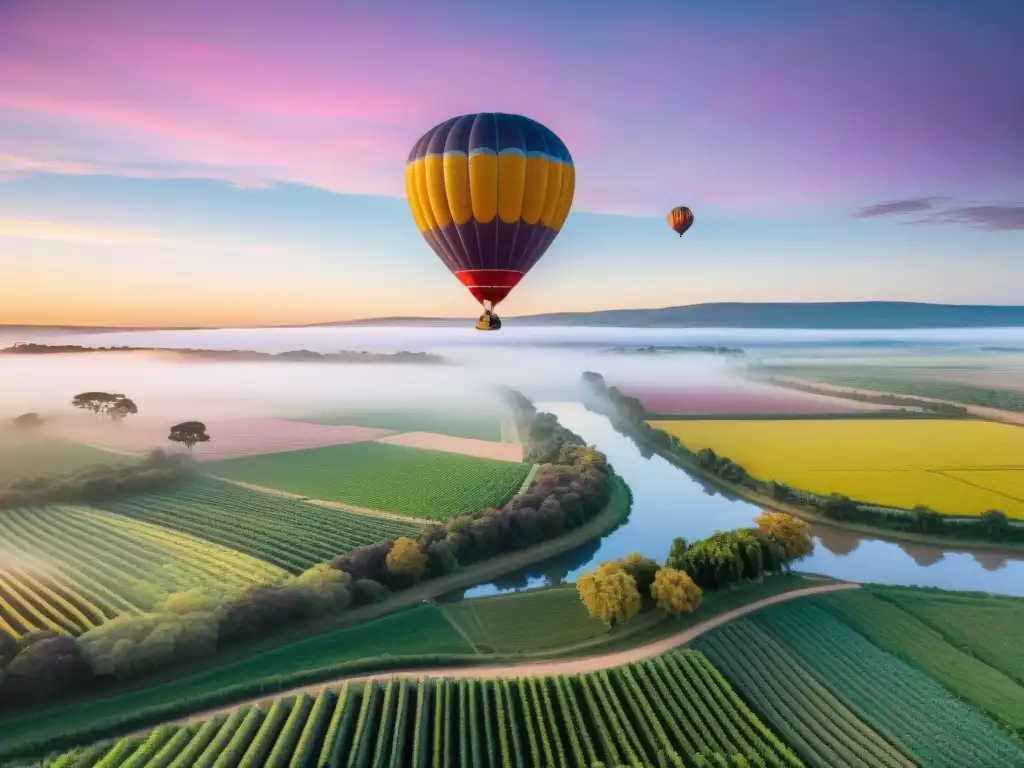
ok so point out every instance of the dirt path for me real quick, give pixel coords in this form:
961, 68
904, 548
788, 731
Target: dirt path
366, 512
993, 414
532, 668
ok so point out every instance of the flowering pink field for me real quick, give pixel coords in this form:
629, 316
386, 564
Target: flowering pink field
740, 398
485, 449
228, 439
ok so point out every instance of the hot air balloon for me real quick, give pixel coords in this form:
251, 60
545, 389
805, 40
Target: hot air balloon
489, 192
680, 219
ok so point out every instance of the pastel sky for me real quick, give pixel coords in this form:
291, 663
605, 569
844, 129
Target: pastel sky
241, 161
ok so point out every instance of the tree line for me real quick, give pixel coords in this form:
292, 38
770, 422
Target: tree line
618, 590
628, 416
573, 485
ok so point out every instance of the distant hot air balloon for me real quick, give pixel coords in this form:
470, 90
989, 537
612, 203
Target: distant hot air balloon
489, 192
680, 219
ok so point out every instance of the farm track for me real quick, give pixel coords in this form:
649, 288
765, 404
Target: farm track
532, 668
993, 414
365, 511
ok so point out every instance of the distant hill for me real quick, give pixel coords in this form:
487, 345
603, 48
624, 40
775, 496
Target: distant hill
825, 316
806, 315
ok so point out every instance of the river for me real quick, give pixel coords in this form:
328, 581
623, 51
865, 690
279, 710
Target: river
669, 502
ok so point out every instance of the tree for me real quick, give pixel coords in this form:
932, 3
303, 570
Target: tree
121, 408
99, 403
677, 553
609, 594
791, 534
674, 592
189, 433
406, 559
642, 569
994, 523
27, 421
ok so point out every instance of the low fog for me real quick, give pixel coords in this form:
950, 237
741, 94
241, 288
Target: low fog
169, 390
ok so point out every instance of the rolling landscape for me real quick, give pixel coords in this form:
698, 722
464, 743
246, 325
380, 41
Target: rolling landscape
670, 415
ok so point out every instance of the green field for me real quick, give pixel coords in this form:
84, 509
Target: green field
431, 485
68, 567
898, 632
888, 694
903, 383
820, 728
636, 714
988, 627
31, 456
418, 631
293, 535
478, 425
526, 622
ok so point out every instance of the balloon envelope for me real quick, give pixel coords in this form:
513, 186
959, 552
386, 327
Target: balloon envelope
680, 219
489, 192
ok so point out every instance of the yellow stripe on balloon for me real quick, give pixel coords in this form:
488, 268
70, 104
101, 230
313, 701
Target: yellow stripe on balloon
566, 192
535, 189
483, 186
456, 182
434, 173
413, 197
511, 182
423, 195
551, 196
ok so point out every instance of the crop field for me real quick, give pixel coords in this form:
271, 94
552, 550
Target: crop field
46, 456
477, 425
738, 398
822, 730
290, 534
904, 636
525, 622
987, 627
68, 568
228, 439
904, 383
636, 714
894, 463
896, 699
431, 485
484, 449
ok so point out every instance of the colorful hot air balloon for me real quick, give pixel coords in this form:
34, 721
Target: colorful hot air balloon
680, 219
489, 192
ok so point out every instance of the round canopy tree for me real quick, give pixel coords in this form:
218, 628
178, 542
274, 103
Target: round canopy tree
189, 433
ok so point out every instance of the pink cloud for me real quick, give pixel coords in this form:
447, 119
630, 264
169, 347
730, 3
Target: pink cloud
722, 116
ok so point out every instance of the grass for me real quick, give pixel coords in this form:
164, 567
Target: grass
895, 698
899, 463
479, 425
431, 485
525, 622
24, 456
902, 384
422, 630
900, 633
574, 722
822, 730
71, 567
292, 535
985, 626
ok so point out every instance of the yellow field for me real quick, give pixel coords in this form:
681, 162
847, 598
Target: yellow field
955, 467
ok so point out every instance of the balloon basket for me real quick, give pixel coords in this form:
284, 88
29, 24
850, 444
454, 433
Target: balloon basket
488, 322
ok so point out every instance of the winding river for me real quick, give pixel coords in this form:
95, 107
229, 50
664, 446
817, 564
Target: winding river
668, 502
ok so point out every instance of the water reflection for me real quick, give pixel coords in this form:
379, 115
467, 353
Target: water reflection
667, 502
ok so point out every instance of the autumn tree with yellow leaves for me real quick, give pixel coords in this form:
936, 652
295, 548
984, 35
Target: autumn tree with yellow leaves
675, 593
609, 594
406, 559
791, 534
